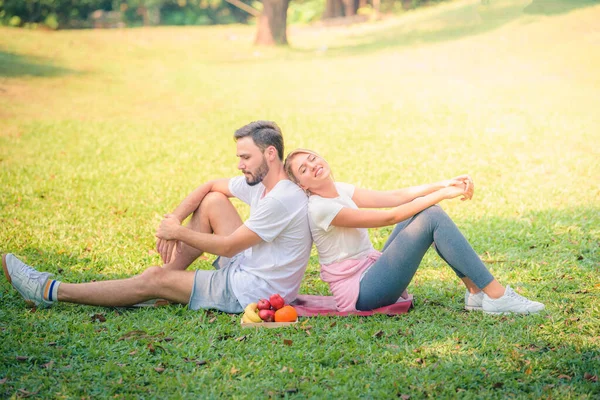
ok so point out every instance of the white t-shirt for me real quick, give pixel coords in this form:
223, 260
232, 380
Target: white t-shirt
277, 264
334, 243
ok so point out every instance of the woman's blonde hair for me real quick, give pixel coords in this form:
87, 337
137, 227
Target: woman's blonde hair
287, 165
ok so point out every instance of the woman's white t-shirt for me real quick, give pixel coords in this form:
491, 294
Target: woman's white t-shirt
335, 243
344, 253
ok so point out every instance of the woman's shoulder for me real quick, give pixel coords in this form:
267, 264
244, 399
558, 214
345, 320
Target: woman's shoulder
315, 199
344, 188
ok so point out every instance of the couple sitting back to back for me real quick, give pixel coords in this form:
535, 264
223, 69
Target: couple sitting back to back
268, 253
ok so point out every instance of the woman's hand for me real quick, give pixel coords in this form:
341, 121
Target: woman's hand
461, 185
453, 191
469, 190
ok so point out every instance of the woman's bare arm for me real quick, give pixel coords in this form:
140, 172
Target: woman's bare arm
366, 218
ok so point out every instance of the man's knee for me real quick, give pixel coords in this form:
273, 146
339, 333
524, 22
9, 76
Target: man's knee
216, 214
214, 200
211, 207
152, 277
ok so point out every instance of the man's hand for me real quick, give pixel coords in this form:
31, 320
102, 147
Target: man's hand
166, 248
166, 237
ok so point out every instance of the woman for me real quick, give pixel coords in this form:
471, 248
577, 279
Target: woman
362, 278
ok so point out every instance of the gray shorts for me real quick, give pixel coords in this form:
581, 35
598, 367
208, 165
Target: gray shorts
212, 288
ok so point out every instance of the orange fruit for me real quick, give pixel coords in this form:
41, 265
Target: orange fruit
286, 314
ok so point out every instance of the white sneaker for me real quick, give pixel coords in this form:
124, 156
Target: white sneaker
28, 282
511, 302
473, 301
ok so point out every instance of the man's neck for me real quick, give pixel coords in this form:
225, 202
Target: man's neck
275, 175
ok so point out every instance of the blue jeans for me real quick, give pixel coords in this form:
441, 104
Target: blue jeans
384, 282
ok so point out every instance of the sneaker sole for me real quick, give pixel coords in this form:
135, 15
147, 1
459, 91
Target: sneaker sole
511, 312
152, 303
473, 308
5, 269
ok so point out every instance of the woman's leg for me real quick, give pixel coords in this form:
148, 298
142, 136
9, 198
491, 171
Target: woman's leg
493, 289
384, 281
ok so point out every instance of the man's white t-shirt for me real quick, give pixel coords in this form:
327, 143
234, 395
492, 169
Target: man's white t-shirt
334, 243
277, 264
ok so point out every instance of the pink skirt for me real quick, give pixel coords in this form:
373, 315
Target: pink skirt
344, 279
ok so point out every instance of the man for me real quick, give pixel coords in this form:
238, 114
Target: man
267, 254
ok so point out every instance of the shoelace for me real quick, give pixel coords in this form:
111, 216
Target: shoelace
32, 274
518, 297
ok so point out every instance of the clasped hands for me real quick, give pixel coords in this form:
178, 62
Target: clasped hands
460, 186
166, 240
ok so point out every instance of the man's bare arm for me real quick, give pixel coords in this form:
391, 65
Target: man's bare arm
228, 246
190, 204
193, 200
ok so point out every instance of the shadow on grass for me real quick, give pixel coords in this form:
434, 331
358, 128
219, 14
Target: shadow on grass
546, 238
13, 65
544, 245
552, 236
442, 349
468, 19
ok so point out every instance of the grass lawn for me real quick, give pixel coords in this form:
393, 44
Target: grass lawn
102, 132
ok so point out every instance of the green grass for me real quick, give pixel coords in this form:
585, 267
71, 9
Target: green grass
102, 132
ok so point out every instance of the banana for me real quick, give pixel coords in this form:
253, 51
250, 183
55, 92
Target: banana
246, 320
250, 312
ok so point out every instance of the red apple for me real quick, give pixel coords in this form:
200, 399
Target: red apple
263, 304
276, 301
267, 315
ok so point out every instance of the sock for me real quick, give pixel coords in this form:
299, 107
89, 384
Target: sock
51, 290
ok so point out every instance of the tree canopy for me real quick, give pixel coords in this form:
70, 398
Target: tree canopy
271, 15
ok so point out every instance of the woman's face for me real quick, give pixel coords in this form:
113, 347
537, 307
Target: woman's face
310, 170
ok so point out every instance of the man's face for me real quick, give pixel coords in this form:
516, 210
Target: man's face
252, 163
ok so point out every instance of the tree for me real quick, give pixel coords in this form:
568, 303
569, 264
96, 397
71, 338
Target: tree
272, 23
340, 8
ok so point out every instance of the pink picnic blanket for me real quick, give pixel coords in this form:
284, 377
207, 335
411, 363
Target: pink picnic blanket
308, 306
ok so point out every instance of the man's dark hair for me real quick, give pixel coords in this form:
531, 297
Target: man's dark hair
264, 134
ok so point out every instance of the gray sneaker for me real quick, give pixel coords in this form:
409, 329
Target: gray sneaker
473, 301
28, 282
511, 302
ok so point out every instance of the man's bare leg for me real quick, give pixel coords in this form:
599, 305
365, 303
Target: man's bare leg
38, 288
216, 214
155, 282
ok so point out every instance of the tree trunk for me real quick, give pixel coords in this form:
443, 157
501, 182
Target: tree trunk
407, 4
272, 23
333, 9
340, 8
350, 7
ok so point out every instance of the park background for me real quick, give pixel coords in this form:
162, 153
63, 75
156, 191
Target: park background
104, 131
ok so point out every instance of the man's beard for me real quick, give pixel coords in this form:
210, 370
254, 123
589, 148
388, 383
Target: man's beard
260, 174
